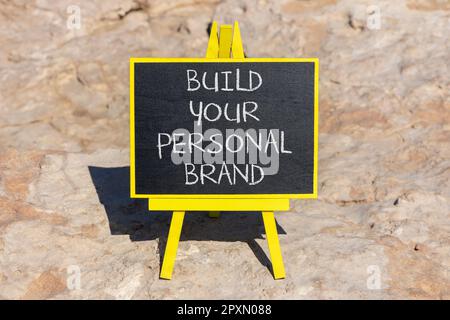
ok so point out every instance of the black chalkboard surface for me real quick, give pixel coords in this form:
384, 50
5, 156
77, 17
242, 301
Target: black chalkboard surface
215, 128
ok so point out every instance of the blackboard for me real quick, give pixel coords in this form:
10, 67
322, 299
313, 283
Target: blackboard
218, 128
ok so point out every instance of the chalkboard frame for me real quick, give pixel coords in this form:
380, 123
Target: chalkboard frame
133, 193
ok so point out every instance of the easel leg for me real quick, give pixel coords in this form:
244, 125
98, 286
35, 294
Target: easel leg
274, 245
172, 244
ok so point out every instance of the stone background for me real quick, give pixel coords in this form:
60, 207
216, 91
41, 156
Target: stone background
380, 228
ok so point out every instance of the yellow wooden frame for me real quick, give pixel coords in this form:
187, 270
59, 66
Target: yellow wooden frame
227, 48
223, 196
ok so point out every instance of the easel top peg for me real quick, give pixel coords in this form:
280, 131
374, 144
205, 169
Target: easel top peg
226, 44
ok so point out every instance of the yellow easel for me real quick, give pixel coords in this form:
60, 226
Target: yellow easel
228, 45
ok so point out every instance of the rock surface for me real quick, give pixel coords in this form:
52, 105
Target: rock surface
381, 225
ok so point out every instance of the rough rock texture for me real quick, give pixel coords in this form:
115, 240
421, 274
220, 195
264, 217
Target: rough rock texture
381, 225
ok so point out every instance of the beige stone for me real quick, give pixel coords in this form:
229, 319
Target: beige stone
379, 229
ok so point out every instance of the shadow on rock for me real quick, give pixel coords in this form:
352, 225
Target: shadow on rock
131, 217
